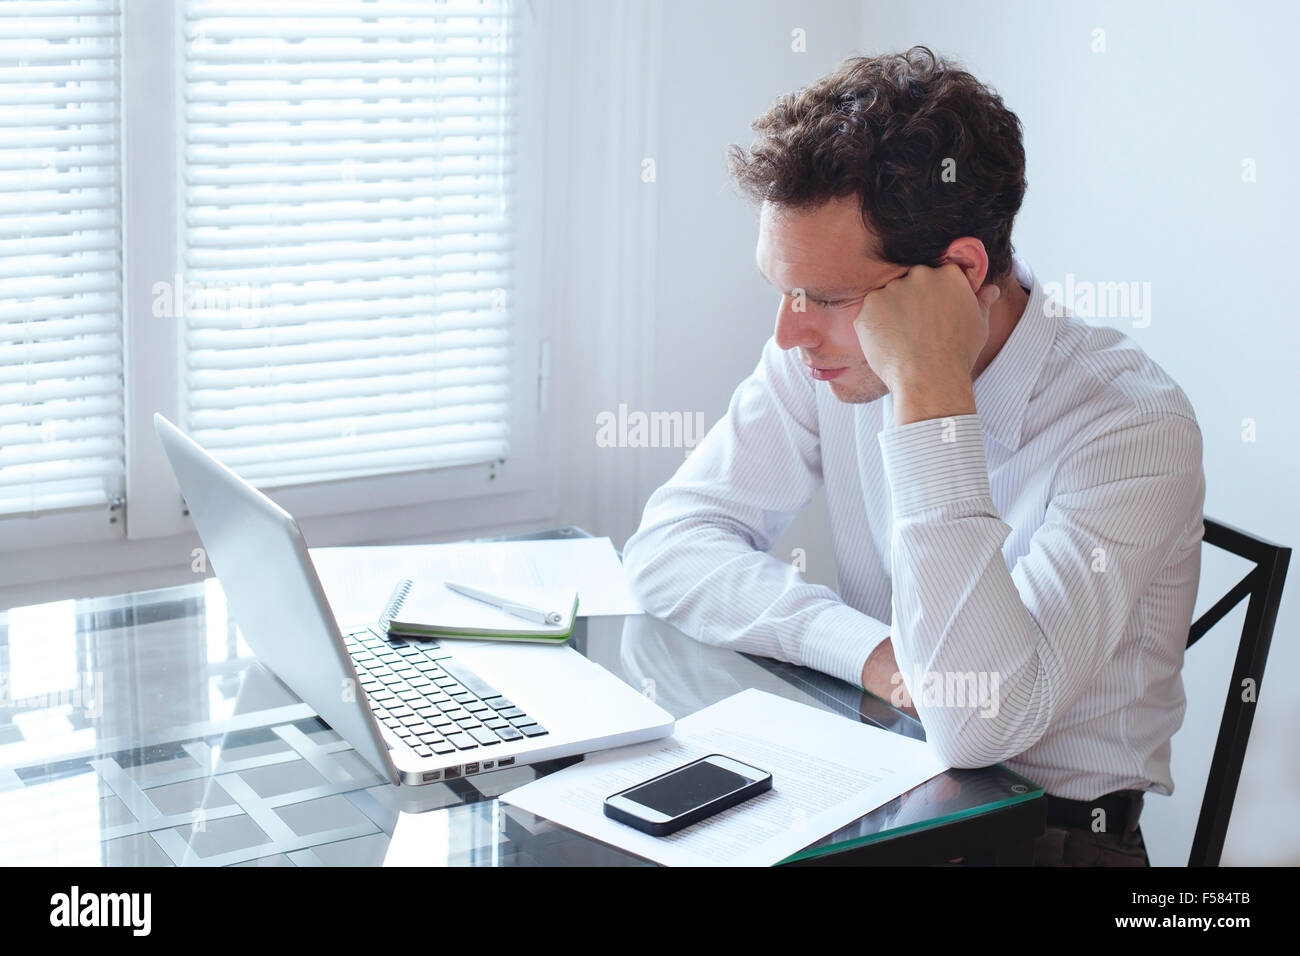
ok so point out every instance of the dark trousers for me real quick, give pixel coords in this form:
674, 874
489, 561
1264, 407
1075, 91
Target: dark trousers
1101, 832
1080, 846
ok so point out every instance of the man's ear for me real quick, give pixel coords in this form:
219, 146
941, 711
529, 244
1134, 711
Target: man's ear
969, 255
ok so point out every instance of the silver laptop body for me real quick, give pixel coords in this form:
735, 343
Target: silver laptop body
417, 711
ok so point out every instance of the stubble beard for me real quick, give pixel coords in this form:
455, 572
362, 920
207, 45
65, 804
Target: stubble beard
861, 387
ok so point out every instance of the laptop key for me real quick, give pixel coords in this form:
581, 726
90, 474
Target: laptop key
508, 733
469, 679
463, 741
533, 730
476, 707
422, 750
511, 712
498, 703
413, 720
484, 736
496, 723
443, 748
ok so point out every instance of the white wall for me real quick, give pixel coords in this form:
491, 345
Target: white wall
1135, 174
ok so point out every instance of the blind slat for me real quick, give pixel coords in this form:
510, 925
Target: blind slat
339, 409
295, 393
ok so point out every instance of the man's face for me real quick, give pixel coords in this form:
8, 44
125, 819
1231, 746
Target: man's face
823, 251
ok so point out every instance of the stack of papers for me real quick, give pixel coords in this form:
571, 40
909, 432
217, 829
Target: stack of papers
359, 581
827, 771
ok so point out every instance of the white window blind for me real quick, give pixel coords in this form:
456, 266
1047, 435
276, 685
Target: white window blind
347, 231
61, 413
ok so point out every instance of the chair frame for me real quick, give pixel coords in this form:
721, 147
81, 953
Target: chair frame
1263, 586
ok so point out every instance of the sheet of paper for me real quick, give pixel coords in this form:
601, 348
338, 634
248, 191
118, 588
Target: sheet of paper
827, 771
358, 581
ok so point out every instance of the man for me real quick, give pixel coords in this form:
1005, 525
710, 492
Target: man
1015, 496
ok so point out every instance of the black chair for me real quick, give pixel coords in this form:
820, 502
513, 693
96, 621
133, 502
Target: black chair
1263, 585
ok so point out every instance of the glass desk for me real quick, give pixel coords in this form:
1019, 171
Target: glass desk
139, 730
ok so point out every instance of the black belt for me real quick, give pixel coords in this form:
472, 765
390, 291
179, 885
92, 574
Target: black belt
1122, 809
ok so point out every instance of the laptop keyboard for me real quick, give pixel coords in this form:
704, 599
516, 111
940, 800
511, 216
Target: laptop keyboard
432, 701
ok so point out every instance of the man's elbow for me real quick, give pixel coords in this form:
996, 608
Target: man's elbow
644, 571
970, 738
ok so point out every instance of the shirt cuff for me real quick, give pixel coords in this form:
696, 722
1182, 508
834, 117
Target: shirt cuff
839, 641
934, 462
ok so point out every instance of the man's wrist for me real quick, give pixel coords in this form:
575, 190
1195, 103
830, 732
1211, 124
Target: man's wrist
918, 398
881, 676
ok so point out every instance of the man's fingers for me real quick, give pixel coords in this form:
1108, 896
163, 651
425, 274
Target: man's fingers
987, 296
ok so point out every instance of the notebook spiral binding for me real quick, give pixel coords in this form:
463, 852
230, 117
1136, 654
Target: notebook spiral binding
395, 601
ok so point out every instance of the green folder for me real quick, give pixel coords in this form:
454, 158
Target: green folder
430, 609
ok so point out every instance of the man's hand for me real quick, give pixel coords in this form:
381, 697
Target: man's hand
922, 335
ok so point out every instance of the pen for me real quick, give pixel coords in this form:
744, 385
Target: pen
510, 607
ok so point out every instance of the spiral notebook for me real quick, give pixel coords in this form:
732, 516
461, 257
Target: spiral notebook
431, 609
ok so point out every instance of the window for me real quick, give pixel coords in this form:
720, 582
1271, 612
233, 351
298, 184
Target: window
293, 228
61, 412
347, 170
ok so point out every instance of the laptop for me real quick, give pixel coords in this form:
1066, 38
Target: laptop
418, 711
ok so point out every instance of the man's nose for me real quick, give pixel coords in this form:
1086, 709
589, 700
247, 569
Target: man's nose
795, 329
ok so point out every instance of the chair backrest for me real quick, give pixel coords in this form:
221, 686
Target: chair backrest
1263, 585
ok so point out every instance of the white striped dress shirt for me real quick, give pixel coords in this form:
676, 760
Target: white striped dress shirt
1035, 563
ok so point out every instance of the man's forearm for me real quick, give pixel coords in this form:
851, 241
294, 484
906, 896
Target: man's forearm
880, 676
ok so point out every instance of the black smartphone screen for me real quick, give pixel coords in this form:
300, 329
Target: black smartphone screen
687, 788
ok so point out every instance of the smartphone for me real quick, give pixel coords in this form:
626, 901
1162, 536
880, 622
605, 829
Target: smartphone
687, 794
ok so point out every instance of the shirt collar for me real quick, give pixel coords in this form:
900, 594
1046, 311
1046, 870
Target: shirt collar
1003, 389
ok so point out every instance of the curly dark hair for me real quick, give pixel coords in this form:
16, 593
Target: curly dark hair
882, 127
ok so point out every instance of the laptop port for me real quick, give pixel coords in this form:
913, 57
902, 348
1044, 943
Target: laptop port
432, 775
451, 773
489, 764
505, 761
471, 768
